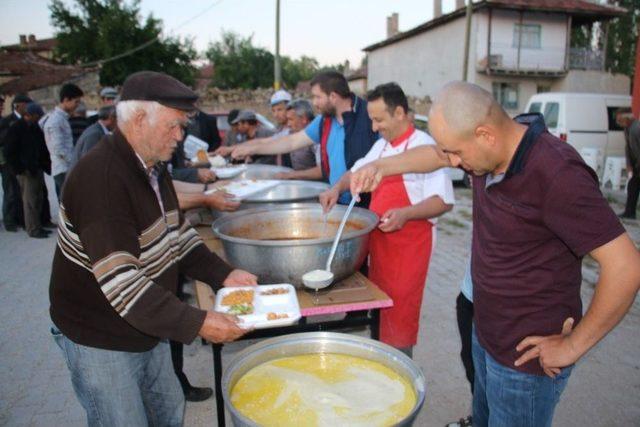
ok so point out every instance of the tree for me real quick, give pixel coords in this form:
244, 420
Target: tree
98, 29
622, 38
239, 64
297, 70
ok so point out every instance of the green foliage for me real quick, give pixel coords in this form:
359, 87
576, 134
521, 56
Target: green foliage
239, 64
98, 29
297, 70
622, 38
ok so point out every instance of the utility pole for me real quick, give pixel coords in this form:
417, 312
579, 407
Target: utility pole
277, 78
467, 38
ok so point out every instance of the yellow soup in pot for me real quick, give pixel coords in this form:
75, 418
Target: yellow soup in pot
323, 389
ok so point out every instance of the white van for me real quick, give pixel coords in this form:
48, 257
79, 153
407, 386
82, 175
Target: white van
587, 121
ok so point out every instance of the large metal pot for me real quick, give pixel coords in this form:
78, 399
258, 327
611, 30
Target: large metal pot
258, 171
321, 342
280, 243
289, 192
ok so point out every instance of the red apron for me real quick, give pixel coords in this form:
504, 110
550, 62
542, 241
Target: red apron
399, 261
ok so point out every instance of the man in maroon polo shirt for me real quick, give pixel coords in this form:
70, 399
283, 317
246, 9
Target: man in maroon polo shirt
537, 212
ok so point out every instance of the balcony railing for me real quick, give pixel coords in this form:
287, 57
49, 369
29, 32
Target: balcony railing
547, 60
505, 56
586, 59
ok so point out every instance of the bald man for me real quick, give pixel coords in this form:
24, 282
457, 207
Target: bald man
537, 212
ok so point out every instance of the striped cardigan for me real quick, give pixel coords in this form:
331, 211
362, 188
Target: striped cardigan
116, 267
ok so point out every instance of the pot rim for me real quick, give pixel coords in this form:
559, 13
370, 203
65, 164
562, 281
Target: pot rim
218, 223
418, 380
256, 199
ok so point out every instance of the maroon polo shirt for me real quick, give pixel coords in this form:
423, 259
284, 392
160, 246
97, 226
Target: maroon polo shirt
532, 226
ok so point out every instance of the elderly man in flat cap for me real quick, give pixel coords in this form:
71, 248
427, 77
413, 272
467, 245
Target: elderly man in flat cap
122, 243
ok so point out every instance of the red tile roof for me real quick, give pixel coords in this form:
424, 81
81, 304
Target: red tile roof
578, 8
38, 46
31, 71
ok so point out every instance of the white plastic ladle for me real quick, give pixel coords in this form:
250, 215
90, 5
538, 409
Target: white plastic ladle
318, 279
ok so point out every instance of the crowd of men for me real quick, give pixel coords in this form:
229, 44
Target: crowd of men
124, 251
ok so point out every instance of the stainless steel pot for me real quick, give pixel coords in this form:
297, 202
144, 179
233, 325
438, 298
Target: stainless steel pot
262, 172
280, 243
321, 342
288, 192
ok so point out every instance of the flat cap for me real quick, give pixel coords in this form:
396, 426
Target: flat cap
244, 116
159, 87
21, 98
108, 92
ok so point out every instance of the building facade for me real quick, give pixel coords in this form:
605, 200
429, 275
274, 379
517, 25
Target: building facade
517, 49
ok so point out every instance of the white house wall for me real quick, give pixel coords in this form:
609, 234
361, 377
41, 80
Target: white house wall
423, 63
593, 82
553, 32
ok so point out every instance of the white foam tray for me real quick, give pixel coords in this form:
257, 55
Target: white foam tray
263, 304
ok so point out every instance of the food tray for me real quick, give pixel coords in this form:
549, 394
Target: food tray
286, 303
244, 188
229, 171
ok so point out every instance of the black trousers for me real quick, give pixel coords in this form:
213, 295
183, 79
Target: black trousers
177, 348
464, 314
59, 181
633, 189
45, 214
12, 214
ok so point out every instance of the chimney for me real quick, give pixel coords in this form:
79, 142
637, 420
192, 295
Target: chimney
460, 4
437, 9
32, 39
392, 25
23, 40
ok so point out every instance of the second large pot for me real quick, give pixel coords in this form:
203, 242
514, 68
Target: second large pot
281, 243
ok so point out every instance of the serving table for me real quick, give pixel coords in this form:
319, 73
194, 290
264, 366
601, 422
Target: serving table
356, 296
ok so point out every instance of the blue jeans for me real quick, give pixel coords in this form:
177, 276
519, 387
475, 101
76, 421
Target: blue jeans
504, 397
124, 389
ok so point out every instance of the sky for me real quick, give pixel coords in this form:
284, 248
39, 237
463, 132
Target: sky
329, 30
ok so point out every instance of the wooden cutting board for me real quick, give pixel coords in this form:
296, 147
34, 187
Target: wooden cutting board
350, 290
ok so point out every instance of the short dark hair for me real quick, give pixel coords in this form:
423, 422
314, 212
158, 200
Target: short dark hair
107, 111
252, 122
392, 95
332, 81
232, 115
70, 91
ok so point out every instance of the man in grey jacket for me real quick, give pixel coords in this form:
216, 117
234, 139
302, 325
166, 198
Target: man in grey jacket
57, 133
632, 153
93, 134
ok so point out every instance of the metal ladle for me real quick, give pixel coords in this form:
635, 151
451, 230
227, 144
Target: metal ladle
318, 279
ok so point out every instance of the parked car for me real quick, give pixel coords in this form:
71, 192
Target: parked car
587, 121
457, 175
223, 124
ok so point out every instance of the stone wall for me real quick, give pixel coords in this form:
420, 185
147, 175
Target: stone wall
217, 100
89, 83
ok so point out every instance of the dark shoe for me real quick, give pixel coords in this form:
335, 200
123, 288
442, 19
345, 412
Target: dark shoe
11, 228
50, 225
462, 422
40, 234
196, 394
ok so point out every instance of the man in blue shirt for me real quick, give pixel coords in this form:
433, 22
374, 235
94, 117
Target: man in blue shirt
342, 129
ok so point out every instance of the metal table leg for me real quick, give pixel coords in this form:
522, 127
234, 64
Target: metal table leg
375, 324
217, 374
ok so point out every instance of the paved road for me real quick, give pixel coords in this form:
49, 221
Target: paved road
35, 389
